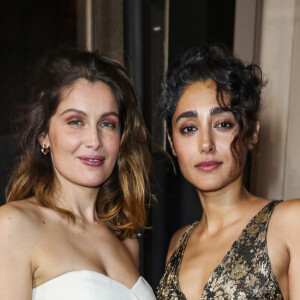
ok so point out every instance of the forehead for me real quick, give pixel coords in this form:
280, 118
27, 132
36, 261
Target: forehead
197, 96
87, 95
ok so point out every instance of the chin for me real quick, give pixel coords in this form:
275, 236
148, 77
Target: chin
208, 189
94, 180
213, 186
90, 183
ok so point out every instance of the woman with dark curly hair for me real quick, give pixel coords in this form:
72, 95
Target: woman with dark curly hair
244, 247
78, 194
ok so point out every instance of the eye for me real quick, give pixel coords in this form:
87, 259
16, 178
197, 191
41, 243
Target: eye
224, 125
75, 122
108, 124
188, 129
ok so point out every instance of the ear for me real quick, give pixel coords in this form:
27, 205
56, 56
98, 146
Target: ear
172, 145
44, 139
255, 136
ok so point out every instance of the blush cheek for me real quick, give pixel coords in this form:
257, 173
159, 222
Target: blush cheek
115, 149
69, 143
112, 143
184, 150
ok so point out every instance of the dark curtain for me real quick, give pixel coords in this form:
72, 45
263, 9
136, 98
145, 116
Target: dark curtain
8, 155
27, 30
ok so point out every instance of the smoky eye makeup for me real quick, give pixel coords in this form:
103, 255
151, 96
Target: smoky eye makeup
111, 120
225, 123
187, 128
74, 121
111, 124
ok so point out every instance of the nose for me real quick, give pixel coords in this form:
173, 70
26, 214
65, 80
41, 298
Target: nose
93, 139
207, 143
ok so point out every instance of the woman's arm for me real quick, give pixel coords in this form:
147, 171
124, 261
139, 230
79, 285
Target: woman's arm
292, 233
16, 245
284, 247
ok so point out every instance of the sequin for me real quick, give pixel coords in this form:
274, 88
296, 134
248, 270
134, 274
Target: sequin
244, 273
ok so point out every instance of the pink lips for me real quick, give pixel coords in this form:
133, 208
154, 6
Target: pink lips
92, 160
208, 165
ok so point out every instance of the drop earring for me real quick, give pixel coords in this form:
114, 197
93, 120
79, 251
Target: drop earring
44, 149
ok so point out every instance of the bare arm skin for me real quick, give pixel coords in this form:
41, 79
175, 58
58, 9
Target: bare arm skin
16, 249
290, 234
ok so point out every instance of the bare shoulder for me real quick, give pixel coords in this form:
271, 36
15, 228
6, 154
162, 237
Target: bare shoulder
18, 240
18, 217
132, 246
17, 231
286, 217
174, 243
289, 210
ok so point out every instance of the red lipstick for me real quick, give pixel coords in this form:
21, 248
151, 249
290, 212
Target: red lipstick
208, 165
92, 160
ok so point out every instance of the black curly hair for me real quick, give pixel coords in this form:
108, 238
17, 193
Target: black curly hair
241, 83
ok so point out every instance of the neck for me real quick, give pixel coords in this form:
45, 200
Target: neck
80, 200
224, 206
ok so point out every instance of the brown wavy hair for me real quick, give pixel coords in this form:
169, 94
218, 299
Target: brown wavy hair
122, 198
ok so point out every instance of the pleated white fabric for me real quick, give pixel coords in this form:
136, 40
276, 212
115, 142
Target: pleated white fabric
90, 285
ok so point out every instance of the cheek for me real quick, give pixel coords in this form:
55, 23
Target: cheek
223, 145
185, 151
64, 141
236, 158
113, 144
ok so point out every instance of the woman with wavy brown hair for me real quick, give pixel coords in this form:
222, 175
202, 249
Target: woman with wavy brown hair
78, 194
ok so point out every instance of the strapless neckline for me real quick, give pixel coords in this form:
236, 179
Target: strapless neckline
91, 285
79, 272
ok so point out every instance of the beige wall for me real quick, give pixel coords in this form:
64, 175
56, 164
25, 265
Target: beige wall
276, 169
291, 187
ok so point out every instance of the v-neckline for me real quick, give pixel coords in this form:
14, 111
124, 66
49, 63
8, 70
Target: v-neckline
226, 255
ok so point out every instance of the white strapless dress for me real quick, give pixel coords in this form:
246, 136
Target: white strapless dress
90, 285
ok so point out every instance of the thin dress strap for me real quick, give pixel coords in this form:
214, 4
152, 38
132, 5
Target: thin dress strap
168, 284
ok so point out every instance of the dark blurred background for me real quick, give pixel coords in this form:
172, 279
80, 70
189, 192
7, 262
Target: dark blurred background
147, 35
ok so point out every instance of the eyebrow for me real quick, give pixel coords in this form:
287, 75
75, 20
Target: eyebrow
218, 110
187, 114
193, 113
107, 114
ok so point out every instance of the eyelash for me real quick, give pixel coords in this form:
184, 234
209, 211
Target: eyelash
225, 125
188, 129
108, 124
78, 123
75, 122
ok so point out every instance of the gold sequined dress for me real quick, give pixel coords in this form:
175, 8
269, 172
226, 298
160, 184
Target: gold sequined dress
244, 273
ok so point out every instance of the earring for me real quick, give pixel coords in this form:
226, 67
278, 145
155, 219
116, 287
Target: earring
44, 149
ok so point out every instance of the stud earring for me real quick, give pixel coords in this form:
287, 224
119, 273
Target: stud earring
44, 149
